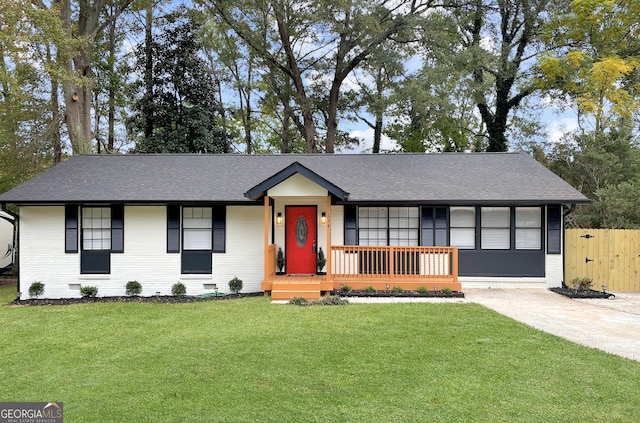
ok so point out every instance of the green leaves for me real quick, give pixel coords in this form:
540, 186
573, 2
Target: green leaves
596, 59
181, 109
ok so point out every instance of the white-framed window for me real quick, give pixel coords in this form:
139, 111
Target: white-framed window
372, 225
462, 227
96, 228
404, 223
197, 224
495, 230
528, 228
388, 226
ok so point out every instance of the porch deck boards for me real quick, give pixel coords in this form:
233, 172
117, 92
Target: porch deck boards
311, 287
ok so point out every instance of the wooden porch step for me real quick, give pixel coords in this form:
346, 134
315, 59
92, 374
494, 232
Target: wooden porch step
299, 286
287, 294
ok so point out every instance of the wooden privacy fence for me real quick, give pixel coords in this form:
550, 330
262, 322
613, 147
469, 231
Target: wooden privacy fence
609, 256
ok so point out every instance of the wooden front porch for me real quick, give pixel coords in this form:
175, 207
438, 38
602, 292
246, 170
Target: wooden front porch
382, 267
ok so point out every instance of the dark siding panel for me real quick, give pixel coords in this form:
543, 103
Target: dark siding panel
350, 225
117, 228
71, 229
506, 263
173, 229
196, 262
95, 261
219, 229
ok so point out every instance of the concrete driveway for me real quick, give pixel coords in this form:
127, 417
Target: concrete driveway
611, 325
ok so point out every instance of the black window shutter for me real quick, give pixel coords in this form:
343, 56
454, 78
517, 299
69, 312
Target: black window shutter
350, 225
117, 228
219, 229
173, 229
71, 229
554, 229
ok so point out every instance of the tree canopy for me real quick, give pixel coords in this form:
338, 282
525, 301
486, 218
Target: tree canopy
283, 76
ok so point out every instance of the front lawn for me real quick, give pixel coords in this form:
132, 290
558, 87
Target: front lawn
247, 360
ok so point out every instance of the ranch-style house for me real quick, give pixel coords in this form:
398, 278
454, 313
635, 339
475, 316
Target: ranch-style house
457, 220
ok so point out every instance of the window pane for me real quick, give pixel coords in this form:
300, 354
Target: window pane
496, 239
528, 217
96, 228
427, 238
441, 237
427, 218
463, 217
553, 241
197, 223
528, 239
464, 238
495, 217
441, 217
197, 239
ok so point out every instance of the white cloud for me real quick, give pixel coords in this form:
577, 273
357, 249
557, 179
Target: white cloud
366, 143
558, 128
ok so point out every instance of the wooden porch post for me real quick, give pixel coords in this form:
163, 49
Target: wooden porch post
328, 238
454, 260
266, 235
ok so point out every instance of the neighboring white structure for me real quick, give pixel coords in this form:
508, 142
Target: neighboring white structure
7, 241
102, 220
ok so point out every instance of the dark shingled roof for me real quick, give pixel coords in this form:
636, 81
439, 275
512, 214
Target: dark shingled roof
449, 178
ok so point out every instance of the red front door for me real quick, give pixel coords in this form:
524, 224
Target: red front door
300, 239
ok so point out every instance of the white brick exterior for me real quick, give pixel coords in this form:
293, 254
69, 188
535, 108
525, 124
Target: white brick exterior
43, 259
244, 255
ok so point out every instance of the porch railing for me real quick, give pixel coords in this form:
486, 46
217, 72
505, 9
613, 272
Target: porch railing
394, 263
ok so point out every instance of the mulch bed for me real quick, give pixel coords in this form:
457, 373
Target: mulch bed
165, 299
386, 294
586, 293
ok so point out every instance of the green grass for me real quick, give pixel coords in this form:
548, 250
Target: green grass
248, 360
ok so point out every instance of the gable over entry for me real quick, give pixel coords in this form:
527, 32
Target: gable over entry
295, 168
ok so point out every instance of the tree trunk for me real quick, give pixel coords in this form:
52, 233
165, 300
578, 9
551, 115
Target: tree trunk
56, 140
148, 71
285, 131
112, 85
296, 76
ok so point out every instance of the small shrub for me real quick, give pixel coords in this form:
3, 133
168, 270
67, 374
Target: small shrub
36, 289
446, 290
345, 288
280, 259
299, 301
331, 301
320, 260
178, 290
133, 288
324, 301
89, 291
582, 284
397, 289
235, 285
422, 289
370, 289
